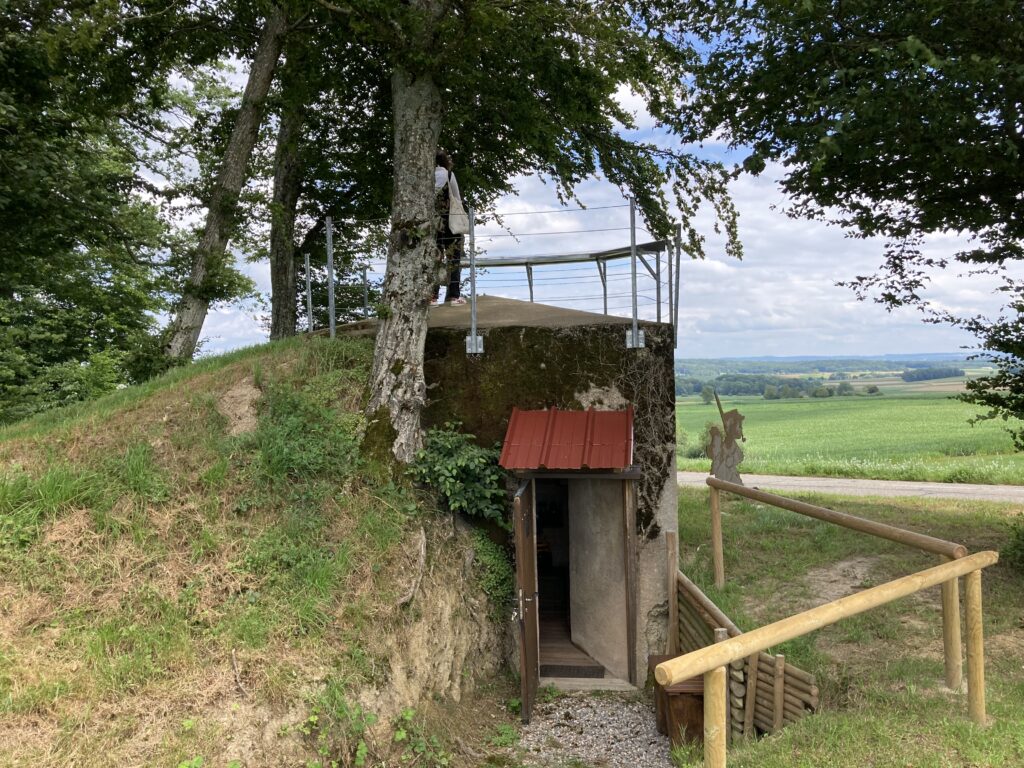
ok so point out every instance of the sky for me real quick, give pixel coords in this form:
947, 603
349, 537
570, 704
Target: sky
780, 300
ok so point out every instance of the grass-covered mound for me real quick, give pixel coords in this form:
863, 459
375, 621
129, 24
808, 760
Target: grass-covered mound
204, 570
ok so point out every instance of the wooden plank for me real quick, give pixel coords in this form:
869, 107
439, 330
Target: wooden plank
697, 598
524, 523
748, 705
779, 690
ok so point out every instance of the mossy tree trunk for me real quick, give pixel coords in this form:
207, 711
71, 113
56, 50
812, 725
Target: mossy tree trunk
287, 186
397, 384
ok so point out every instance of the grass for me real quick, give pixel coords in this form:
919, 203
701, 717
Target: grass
156, 569
881, 673
913, 437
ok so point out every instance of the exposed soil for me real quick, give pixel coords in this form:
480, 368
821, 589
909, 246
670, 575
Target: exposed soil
238, 405
840, 579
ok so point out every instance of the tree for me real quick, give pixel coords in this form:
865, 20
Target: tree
707, 394
537, 83
207, 263
892, 119
82, 270
845, 389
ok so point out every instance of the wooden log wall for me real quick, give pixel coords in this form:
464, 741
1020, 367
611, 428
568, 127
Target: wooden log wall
765, 692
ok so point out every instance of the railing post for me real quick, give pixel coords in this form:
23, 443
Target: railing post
951, 632
309, 296
635, 337
474, 344
717, 555
716, 694
330, 276
366, 295
975, 648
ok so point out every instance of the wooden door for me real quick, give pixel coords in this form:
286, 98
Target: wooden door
524, 518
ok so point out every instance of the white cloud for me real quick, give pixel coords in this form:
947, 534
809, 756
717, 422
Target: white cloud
781, 299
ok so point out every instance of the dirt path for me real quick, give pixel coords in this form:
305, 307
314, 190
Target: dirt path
856, 487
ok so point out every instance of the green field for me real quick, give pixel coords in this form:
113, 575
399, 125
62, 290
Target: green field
898, 436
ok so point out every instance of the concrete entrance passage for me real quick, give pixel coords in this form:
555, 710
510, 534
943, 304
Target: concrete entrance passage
581, 602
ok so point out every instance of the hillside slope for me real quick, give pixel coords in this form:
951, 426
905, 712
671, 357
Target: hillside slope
204, 571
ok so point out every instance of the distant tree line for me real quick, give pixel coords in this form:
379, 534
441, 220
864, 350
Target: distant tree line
925, 374
769, 387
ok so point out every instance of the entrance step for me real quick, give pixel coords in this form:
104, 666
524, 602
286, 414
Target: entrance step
586, 684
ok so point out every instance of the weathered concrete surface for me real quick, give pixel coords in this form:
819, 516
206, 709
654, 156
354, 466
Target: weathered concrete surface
857, 487
597, 595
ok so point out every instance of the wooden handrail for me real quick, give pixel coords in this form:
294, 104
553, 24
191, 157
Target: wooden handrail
881, 530
700, 661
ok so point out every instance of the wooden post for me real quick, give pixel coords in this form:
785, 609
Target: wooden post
716, 719
748, 708
672, 544
975, 648
951, 632
718, 556
779, 691
720, 636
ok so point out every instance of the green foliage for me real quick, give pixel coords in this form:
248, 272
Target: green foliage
466, 476
1013, 552
495, 574
504, 736
926, 374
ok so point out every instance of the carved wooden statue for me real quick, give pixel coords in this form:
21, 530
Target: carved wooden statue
723, 447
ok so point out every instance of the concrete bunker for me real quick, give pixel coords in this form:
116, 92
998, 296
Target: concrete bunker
597, 528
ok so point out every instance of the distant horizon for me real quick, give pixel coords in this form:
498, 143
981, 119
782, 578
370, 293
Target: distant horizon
802, 358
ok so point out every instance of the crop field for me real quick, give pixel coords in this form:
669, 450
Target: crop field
901, 435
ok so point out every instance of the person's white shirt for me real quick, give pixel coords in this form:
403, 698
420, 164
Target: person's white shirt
441, 178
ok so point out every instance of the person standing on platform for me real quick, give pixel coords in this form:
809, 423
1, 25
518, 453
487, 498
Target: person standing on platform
449, 243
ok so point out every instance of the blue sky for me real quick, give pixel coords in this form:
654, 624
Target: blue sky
781, 299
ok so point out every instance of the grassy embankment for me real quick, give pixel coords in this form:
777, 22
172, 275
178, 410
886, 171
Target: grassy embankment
203, 570
901, 435
884, 702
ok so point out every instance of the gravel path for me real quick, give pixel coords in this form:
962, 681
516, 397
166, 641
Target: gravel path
857, 487
601, 731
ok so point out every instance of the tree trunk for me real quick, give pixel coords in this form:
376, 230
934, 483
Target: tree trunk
183, 332
397, 385
287, 183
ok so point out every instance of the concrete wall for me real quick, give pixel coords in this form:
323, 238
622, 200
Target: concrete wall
576, 367
597, 596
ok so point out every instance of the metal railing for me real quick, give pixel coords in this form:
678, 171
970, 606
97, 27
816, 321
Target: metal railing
564, 271
713, 661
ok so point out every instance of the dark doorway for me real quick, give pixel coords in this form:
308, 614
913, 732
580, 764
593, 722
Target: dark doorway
559, 656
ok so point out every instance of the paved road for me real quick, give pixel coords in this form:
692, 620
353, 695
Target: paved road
855, 487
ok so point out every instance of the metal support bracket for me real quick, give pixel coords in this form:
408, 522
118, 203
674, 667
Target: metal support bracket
639, 342
474, 345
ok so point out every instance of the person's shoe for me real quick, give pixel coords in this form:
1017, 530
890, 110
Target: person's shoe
459, 300
433, 302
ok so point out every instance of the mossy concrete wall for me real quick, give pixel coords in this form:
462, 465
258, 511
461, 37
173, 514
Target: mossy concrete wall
572, 368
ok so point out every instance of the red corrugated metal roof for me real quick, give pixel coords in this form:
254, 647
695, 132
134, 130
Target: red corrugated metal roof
555, 439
